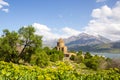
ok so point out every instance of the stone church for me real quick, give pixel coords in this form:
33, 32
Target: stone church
61, 47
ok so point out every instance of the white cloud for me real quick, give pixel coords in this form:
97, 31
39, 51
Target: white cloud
44, 31
5, 10
2, 4
41, 27
106, 22
49, 34
104, 11
100, 0
70, 31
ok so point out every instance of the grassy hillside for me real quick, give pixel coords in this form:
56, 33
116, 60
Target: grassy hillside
57, 71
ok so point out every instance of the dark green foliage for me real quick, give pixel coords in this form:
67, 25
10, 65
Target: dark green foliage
15, 46
61, 55
40, 58
30, 41
96, 62
79, 59
8, 45
72, 57
54, 54
47, 50
54, 57
88, 55
92, 63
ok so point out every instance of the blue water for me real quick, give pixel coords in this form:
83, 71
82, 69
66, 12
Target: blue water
109, 55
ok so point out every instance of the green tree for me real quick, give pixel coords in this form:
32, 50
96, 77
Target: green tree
88, 55
47, 50
40, 58
29, 41
96, 62
55, 55
8, 46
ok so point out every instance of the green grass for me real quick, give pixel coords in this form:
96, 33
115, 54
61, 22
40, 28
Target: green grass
57, 71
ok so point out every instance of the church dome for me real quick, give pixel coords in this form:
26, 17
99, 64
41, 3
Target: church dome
61, 40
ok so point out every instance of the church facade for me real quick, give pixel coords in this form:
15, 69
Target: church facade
61, 46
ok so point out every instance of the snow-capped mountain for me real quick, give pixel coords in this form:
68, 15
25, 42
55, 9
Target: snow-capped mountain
86, 39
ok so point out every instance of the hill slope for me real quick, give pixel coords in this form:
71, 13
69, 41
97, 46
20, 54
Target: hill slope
112, 47
86, 39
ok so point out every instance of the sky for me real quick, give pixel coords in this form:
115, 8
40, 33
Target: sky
55, 19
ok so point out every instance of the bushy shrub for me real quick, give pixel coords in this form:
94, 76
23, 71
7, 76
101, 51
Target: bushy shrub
41, 59
96, 62
88, 55
72, 57
79, 59
54, 57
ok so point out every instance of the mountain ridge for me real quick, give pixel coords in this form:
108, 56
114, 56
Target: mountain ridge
81, 38
86, 39
87, 42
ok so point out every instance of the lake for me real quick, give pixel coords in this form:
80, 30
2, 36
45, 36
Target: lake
110, 55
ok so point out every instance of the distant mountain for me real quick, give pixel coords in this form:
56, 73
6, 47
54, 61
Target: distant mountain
86, 42
81, 39
112, 47
115, 44
85, 39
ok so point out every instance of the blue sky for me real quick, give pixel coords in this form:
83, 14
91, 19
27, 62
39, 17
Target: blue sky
57, 17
